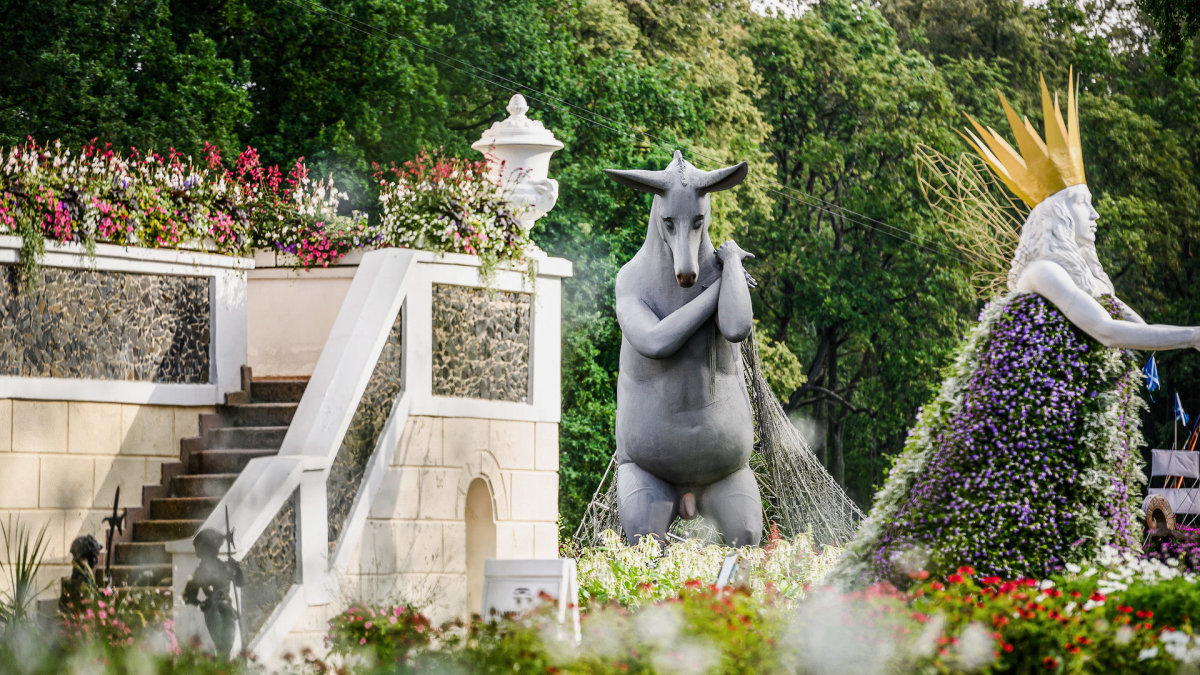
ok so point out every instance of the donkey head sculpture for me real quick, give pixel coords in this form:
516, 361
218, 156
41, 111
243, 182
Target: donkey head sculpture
679, 216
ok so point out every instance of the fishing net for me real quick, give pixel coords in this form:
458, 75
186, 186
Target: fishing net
798, 493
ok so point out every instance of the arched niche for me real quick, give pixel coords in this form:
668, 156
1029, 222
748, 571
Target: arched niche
481, 538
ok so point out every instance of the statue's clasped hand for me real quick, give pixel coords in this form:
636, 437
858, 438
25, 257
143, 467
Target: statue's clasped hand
730, 252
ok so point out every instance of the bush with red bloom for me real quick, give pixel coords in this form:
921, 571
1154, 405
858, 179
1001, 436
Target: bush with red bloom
384, 636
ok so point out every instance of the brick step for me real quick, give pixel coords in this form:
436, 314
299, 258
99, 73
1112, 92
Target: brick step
246, 437
141, 575
141, 553
202, 485
259, 414
277, 391
182, 508
226, 460
165, 530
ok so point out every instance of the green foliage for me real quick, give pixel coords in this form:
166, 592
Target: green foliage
635, 576
120, 618
33, 651
24, 552
382, 637
782, 368
1177, 22
829, 102
871, 310
449, 204
121, 71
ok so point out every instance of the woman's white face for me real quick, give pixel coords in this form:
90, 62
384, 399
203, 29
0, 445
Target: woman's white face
1083, 215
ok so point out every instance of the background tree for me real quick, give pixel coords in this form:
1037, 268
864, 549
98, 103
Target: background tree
870, 309
859, 288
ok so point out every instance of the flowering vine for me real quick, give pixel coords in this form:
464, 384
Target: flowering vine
1026, 459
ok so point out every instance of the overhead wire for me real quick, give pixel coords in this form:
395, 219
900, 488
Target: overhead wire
596, 119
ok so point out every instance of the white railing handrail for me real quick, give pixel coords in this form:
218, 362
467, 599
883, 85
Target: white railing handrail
325, 411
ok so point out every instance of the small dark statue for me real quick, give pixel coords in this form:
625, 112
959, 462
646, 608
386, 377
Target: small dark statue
85, 554
212, 579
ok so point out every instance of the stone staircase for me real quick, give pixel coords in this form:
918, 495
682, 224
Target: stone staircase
251, 424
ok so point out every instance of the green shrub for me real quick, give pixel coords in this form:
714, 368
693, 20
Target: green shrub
384, 637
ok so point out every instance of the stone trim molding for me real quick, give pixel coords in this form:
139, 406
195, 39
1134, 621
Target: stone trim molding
483, 464
455, 269
227, 298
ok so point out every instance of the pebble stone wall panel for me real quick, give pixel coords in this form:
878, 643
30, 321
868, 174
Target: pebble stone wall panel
270, 567
87, 324
374, 408
481, 343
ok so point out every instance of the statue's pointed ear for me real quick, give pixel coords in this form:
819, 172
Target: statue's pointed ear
722, 179
654, 182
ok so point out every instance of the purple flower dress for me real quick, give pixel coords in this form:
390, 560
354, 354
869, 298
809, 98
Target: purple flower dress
1028, 459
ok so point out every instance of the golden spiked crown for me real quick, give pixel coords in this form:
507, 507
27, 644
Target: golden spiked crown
1042, 167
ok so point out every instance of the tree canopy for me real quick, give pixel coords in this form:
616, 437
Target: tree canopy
862, 296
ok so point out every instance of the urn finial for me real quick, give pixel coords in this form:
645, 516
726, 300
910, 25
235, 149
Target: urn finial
517, 107
518, 150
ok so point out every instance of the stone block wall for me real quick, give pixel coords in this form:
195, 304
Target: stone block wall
62, 461
414, 548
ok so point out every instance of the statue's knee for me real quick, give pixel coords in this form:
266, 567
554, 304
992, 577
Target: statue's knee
743, 537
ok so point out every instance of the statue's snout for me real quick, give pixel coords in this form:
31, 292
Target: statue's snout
686, 279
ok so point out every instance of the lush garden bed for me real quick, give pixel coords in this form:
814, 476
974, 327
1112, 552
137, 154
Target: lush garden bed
98, 194
652, 613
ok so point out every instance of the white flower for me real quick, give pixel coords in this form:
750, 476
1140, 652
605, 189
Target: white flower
1147, 653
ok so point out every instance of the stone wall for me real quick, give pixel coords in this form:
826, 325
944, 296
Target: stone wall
414, 548
480, 343
90, 324
61, 463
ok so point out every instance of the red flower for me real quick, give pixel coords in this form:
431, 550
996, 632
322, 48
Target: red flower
993, 579
1050, 663
955, 578
1097, 597
967, 571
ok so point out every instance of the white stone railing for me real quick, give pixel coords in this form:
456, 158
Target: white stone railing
225, 278
386, 284
266, 486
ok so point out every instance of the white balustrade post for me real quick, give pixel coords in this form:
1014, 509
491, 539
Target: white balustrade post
518, 149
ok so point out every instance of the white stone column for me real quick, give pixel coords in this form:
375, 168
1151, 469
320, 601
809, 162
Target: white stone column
518, 149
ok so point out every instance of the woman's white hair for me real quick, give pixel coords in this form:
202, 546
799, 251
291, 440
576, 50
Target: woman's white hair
1049, 234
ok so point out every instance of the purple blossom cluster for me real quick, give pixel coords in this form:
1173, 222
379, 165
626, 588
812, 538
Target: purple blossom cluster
1010, 487
1186, 551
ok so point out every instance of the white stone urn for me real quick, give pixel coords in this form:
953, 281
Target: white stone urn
518, 149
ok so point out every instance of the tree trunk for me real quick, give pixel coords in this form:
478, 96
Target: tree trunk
836, 457
835, 422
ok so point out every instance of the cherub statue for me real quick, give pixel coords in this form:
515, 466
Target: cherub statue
212, 579
85, 554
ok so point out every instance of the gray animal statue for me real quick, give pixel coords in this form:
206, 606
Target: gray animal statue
684, 426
